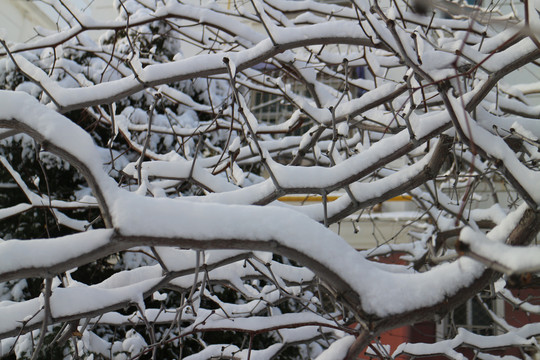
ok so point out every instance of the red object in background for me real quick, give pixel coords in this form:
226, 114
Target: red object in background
418, 333
426, 332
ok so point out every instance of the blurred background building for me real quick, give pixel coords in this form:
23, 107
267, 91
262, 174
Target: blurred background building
20, 19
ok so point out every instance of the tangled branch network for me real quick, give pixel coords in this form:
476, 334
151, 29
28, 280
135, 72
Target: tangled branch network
145, 160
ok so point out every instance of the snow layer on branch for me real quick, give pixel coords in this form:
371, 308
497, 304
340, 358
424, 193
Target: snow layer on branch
498, 149
382, 292
14, 210
232, 351
256, 323
121, 289
338, 349
488, 121
53, 128
492, 248
15, 314
85, 299
24, 254
466, 337
180, 168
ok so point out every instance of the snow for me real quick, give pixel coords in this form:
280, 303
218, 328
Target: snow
13, 313
79, 299
492, 249
381, 292
49, 126
488, 120
512, 53
257, 323
235, 226
182, 169
464, 337
43, 253
96, 344
230, 351
14, 210
338, 349
157, 296
498, 149
323, 177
